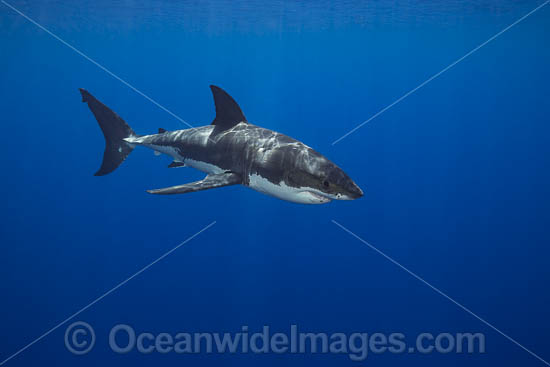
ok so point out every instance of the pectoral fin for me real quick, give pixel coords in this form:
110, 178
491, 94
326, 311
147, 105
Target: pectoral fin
209, 182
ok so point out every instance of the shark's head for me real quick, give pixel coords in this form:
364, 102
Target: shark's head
322, 179
290, 170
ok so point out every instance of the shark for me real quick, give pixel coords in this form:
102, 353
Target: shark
231, 151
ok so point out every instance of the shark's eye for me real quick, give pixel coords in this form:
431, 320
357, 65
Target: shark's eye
326, 183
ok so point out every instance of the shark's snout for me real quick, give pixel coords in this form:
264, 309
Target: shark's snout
352, 191
345, 188
355, 191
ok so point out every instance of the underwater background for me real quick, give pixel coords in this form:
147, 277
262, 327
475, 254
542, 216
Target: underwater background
456, 177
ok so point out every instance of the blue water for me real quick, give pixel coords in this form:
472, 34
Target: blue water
455, 177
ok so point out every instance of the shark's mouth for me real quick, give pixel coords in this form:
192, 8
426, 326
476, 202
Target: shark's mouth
318, 197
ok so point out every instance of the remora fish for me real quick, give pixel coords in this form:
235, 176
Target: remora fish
231, 151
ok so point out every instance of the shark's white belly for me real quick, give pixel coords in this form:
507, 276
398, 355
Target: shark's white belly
172, 152
203, 166
284, 192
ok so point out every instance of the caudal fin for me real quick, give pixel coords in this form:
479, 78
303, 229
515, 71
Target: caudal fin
115, 129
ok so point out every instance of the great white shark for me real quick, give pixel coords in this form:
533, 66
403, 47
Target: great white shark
231, 151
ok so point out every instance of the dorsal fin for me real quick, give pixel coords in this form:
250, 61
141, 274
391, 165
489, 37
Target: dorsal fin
228, 112
161, 130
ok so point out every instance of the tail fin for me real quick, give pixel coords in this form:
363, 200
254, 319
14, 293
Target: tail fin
115, 129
